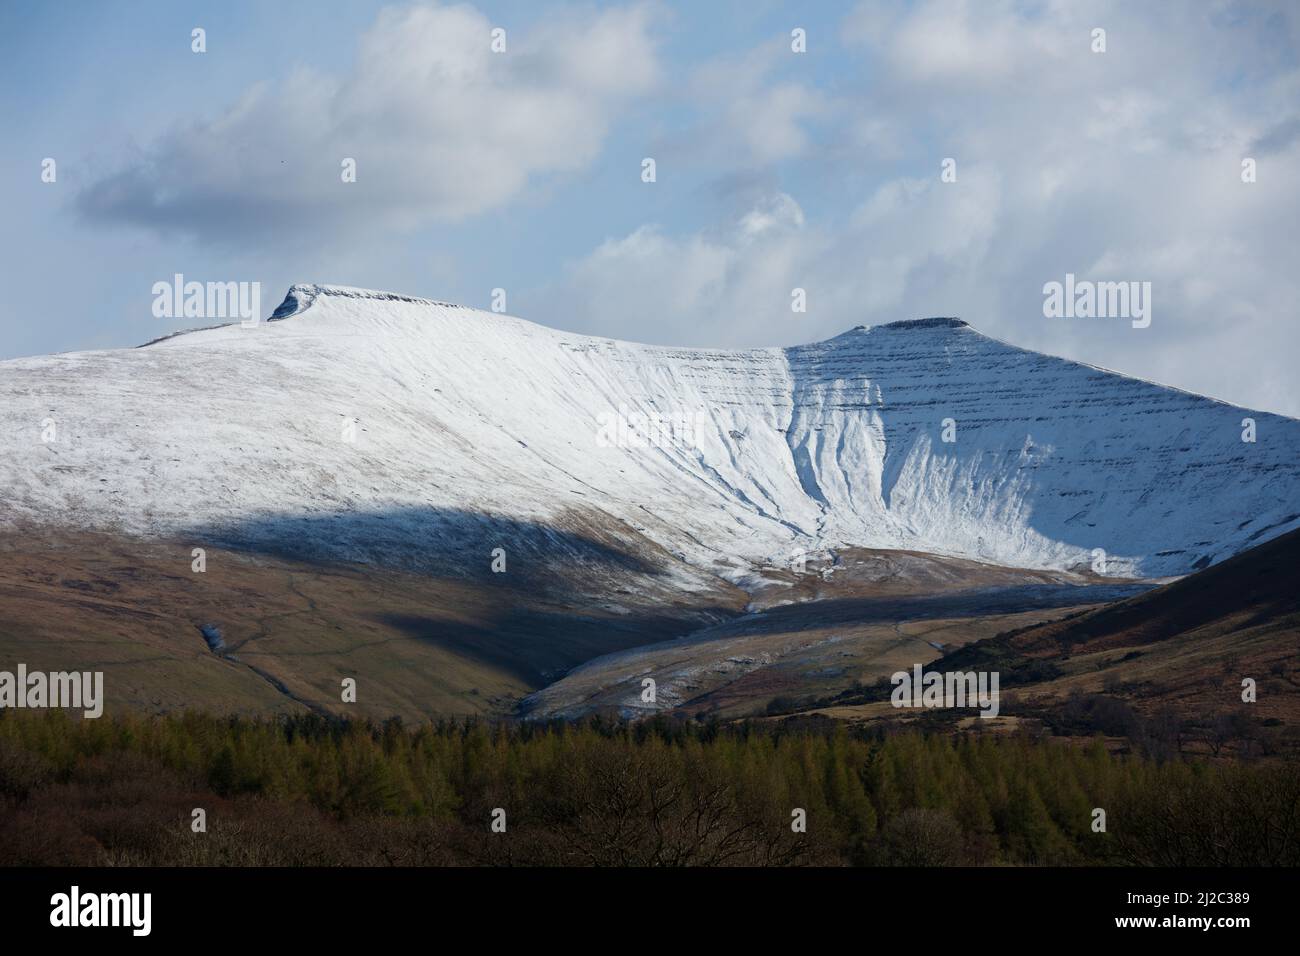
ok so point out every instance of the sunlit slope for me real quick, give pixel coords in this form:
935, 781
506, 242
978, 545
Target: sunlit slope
475, 431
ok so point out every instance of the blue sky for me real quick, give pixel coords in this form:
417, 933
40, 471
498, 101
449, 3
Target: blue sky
775, 169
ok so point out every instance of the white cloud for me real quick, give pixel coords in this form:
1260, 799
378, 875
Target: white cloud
959, 42
748, 111
440, 126
653, 287
732, 285
1120, 166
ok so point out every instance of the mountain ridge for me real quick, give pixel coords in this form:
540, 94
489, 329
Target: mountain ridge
456, 412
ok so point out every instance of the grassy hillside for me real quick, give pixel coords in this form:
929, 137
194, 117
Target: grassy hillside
1168, 663
417, 645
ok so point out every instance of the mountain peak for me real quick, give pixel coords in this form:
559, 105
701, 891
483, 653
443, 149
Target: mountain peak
905, 325
932, 322
302, 294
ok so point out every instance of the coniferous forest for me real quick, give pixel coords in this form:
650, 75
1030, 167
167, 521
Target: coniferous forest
195, 789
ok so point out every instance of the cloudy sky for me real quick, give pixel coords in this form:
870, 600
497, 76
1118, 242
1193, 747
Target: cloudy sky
775, 169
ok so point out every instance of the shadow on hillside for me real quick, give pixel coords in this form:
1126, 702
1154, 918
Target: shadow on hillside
569, 592
538, 647
447, 542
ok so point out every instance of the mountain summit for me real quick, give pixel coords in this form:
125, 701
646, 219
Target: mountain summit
437, 430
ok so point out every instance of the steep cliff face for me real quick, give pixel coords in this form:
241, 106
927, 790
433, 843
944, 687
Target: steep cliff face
364, 425
1051, 458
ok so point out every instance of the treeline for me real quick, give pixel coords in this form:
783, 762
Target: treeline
312, 791
1159, 733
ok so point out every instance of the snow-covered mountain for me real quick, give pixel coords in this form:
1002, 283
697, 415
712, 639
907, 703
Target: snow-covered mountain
475, 430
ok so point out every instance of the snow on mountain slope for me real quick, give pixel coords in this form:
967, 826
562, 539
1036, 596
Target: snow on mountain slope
476, 430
